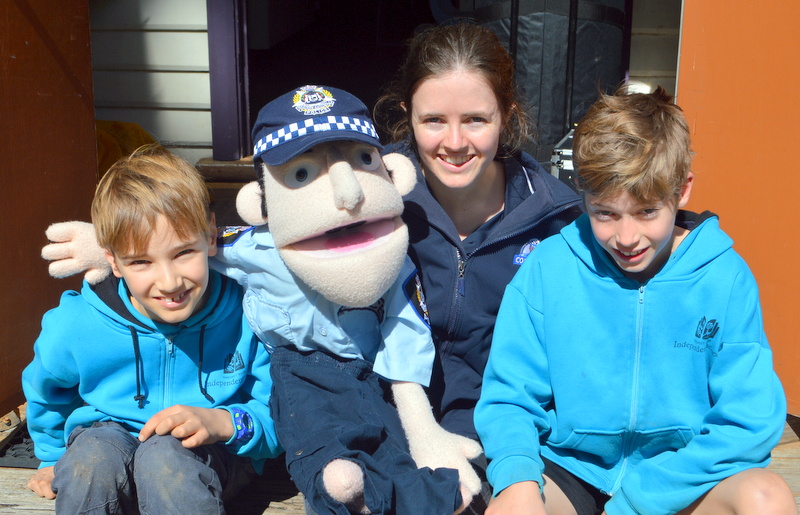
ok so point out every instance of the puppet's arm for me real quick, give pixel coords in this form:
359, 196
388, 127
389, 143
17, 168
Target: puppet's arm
430, 445
73, 249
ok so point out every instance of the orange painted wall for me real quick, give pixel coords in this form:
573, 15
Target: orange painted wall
739, 85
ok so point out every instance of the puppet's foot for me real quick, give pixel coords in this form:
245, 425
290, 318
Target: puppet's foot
344, 481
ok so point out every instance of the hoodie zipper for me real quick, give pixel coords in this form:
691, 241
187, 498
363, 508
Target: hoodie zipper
634, 401
170, 347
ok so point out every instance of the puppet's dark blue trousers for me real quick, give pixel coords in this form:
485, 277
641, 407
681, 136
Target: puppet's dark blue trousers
107, 470
326, 407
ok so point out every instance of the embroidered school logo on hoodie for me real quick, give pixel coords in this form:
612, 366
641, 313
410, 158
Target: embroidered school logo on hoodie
703, 337
526, 249
233, 362
706, 329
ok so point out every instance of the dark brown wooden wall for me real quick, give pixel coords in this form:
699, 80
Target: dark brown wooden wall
48, 162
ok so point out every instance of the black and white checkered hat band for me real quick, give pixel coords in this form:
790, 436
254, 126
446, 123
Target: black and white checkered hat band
311, 126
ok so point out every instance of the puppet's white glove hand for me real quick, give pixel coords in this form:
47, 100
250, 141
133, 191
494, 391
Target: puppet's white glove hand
431, 446
73, 249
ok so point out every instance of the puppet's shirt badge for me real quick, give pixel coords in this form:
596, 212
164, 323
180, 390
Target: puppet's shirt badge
313, 100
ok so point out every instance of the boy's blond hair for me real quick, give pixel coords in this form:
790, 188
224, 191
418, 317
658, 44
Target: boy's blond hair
636, 143
137, 189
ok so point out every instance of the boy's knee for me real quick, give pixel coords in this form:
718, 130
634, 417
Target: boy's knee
97, 454
155, 457
767, 492
754, 490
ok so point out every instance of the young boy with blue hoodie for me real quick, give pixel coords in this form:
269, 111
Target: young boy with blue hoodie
630, 372
148, 390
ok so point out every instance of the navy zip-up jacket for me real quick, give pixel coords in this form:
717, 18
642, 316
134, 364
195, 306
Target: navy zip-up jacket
463, 288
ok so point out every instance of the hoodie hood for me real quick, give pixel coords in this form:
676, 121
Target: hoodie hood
685, 260
112, 298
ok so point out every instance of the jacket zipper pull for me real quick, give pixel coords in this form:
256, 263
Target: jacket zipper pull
461, 266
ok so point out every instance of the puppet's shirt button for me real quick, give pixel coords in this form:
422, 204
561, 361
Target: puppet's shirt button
323, 332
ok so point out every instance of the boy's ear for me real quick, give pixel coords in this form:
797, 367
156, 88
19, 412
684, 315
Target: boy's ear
113, 263
686, 190
212, 228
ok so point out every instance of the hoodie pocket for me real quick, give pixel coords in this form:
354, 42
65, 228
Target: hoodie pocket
607, 448
653, 442
599, 447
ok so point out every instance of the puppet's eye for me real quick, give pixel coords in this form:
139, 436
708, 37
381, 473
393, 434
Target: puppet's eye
367, 158
300, 175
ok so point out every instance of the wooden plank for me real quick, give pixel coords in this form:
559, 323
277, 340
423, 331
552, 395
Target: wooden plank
15, 497
791, 432
266, 496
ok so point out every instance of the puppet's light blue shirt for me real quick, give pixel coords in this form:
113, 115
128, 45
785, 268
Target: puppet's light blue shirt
281, 310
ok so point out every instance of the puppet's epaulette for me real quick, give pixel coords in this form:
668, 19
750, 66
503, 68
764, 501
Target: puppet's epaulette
226, 236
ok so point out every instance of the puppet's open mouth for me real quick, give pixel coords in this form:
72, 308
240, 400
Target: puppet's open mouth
354, 237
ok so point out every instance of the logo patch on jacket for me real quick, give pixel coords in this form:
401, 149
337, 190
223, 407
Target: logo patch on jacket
703, 337
706, 329
526, 249
233, 362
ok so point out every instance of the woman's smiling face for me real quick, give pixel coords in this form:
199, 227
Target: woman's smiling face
457, 122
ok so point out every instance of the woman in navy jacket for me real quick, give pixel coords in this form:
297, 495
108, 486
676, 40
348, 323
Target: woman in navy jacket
480, 205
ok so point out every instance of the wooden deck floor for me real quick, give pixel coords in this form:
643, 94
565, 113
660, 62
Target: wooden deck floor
274, 493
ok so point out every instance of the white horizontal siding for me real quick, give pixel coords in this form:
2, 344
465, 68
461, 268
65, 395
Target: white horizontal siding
147, 14
150, 67
184, 90
113, 50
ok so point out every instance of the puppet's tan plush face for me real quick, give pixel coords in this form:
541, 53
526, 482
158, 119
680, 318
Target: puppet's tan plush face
334, 213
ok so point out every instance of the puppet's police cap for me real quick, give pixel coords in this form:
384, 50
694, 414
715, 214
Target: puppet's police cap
306, 116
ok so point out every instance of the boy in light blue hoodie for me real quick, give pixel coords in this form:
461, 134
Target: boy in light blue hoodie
630, 372
148, 391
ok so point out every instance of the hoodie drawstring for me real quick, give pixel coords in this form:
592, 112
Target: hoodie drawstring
200, 367
137, 357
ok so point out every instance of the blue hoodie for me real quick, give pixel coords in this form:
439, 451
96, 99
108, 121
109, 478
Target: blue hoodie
650, 392
97, 358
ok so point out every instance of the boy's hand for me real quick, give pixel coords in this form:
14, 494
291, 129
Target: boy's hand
520, 498
73, 249
41, 482
193, 426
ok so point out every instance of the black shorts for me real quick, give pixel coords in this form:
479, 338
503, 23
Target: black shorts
586, 499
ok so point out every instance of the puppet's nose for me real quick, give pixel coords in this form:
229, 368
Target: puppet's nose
347, 192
